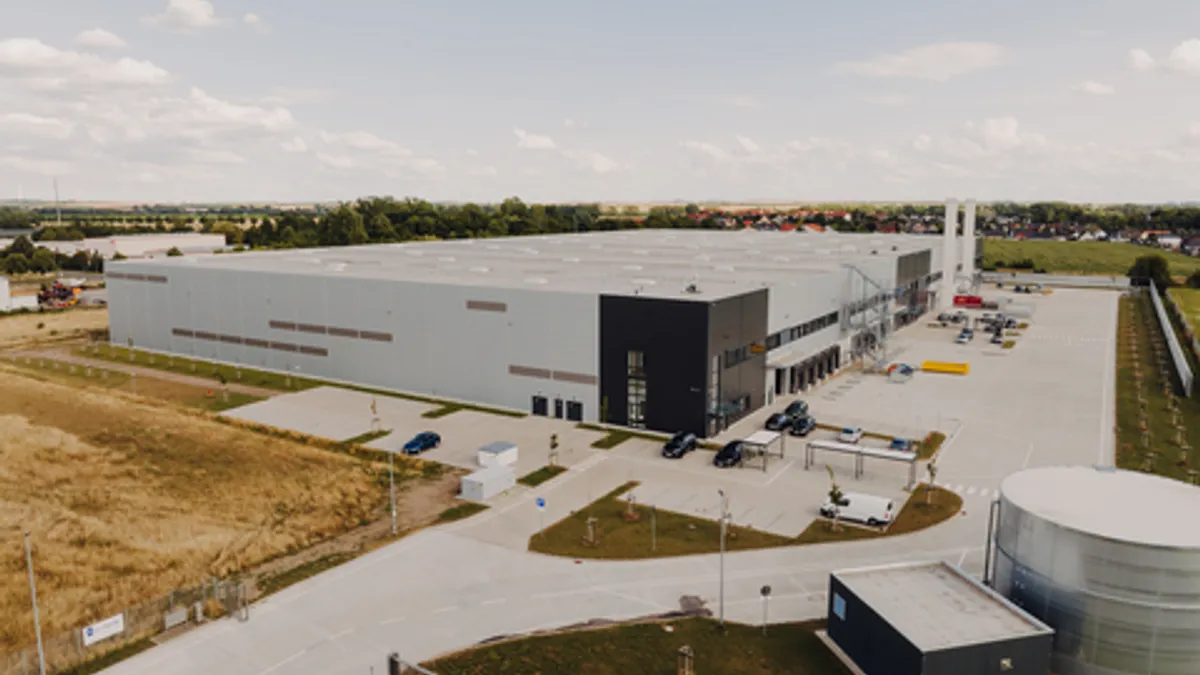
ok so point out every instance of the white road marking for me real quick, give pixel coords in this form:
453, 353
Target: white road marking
388, 622
443, 610
1107, 425
963, 557
1028, 455
284, 662
341, 634
971, 490
495, 601
957, 489
781, 471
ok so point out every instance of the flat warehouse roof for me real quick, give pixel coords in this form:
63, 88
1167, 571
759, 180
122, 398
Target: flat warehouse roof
658, 263
937, 606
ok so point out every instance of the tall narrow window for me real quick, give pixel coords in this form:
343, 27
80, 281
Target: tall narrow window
636, 390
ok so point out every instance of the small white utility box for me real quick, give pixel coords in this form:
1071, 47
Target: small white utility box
487, 483
500, 453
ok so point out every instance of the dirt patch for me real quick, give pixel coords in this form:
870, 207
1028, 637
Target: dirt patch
128, 499
22, 330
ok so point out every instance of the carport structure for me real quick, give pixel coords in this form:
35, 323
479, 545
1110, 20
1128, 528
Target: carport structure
758, 446
860, 452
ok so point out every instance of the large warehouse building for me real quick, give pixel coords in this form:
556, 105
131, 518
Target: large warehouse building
666, 330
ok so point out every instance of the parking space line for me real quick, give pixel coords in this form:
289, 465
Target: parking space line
971, 490
1028, 455
494, 601
781, 471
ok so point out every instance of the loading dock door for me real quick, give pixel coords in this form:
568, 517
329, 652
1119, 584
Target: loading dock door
558, 408
575, 411
540, 406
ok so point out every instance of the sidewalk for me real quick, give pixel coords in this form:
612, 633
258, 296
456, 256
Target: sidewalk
64, 356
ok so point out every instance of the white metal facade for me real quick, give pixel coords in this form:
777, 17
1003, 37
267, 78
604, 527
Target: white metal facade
437, 345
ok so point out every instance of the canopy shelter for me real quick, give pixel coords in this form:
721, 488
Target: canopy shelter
859, 452
761, 444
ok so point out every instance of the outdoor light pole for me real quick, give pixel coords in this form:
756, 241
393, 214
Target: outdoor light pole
37, 624
392, 488
721, 600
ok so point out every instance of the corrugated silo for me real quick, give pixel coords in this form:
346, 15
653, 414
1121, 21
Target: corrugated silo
1108, 558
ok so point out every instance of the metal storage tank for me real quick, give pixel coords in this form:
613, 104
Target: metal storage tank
1108, 558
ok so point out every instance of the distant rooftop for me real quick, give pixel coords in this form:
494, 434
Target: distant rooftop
936, 606
660, 263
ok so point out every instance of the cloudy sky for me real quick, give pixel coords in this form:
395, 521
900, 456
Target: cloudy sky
613, 100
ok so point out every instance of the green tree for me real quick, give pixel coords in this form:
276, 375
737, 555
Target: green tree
691, 209
43, 260
119, 256
21, 245
16, 263
379, 228
1193, 280
1153, 267
174, 252
342, 227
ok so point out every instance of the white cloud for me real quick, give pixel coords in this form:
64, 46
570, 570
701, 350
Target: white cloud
990, 138
705, 148
47, 68
255, 21
45, 127
295, 144
98, 38
890, 100
743, 101
1095, 88
209, 110
368, 142
597, 162
35, 166
336, 161
293, 95
1185, 57
1091, 33
427, 166
936, 62
483, 171
205, 156
748, 144
185, 16
1140, 59
530, 141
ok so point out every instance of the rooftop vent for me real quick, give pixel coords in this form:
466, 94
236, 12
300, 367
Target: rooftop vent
448, 258
479, 270
643, 282
724, 268
781, 258
571, 260
536, 280
640, 251
691, 288
336, 267
632, 268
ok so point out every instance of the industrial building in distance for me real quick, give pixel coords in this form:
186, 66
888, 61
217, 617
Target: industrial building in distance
660, 329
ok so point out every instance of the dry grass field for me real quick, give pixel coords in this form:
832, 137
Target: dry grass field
22, 330
128, 498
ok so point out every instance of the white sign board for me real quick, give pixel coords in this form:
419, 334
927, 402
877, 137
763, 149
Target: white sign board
102, 630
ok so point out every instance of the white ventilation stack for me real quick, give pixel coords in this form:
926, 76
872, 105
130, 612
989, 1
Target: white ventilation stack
968, 244
949, 257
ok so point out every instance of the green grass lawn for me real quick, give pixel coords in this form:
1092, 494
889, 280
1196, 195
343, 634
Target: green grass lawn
264, 379
542, 475
1138, 326
649, 649
1080, 257
213, 400
460, 511
1188, 300
924, 509
678, 534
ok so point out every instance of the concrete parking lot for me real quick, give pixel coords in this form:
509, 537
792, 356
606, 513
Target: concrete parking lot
1047, 401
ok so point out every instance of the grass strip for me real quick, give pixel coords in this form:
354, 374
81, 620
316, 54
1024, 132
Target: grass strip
274, 583
542, 475
649, 648
621, 536
460, 511
109, 659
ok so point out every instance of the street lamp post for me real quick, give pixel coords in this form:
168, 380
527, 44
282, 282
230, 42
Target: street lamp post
37, 624
724, 520
392, 488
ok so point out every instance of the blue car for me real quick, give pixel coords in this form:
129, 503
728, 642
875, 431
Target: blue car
426, 440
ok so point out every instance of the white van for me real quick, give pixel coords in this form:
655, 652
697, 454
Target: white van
867, 509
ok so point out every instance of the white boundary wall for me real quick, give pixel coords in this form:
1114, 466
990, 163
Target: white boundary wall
1177, 355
